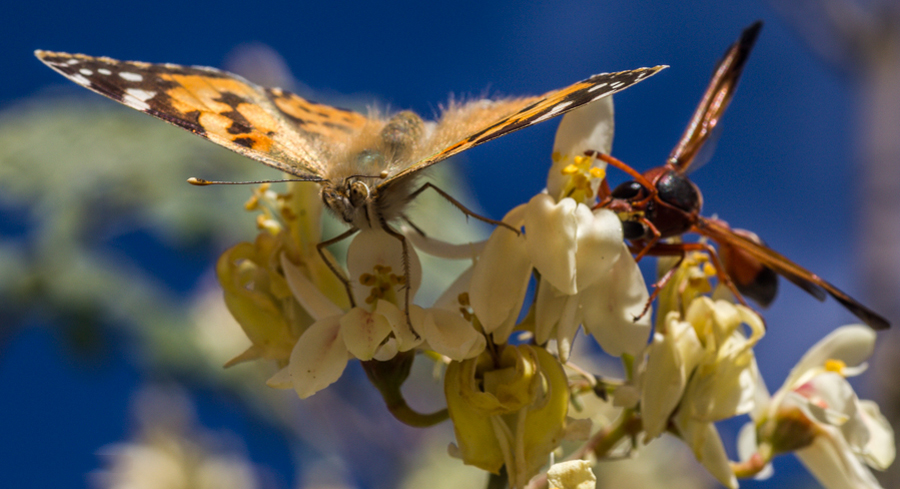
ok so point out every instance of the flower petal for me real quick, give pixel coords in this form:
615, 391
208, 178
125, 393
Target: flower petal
704, 440
450, 335
318, 358
574, 474
588, 127
308, 295
500, 279
571, 246
880, 450
670, 357
833, 463
610, 306
852, 345
362, 332
375, 247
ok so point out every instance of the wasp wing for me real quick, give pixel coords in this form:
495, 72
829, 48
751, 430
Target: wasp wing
800, 276
713, 104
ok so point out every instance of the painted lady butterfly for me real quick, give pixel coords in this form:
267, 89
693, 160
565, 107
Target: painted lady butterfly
366, 164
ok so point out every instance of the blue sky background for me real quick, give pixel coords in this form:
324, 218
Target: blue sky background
784, 165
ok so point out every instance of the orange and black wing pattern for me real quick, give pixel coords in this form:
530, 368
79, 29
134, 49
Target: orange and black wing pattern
505, 116
273, 126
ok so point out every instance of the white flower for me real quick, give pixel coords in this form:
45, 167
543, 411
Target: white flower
574, 474
703, 365
376, 328
817, 414
590, 127
587, 274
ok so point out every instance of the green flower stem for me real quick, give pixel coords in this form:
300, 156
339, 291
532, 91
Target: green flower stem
388, 377
627, 425
749, 468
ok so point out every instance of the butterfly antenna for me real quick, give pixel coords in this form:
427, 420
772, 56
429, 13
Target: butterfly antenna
383, 174
201, 182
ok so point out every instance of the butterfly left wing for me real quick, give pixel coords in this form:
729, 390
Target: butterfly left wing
505, 116
272, 126
714, 102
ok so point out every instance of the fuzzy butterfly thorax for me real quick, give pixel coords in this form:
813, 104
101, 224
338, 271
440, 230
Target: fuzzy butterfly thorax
353, 195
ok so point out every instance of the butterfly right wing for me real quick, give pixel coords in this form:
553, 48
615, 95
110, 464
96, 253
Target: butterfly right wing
272, 126
498, 118
714, 102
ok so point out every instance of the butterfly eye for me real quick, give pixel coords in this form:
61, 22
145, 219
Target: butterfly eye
370, 160
359, 192
629, 191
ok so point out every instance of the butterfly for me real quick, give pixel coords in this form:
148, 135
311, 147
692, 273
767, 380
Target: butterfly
366, 165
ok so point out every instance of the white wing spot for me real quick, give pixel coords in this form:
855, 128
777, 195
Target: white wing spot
132, 77
555, 110
597, 87
142, 95
86, 72
136, 104
104, 71
80, 80
72, 62
616, 84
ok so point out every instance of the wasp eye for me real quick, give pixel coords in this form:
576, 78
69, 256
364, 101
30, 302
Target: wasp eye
629, 191
633, 230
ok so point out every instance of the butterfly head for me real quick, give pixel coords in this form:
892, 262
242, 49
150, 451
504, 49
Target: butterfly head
348, 198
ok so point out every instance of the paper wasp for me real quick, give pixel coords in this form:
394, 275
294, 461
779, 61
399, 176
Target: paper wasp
663, 203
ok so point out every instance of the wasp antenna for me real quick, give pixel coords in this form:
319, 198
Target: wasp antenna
201, 182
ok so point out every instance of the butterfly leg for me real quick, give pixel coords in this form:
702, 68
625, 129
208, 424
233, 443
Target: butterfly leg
406, 274
413, 225
332, 266
461, 207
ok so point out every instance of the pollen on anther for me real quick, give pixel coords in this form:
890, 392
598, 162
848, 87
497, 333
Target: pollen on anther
836, 366
367, 279
570, 169
252, 203
288, 214
597, 172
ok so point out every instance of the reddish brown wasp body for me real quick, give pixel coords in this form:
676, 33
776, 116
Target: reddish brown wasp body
663, 203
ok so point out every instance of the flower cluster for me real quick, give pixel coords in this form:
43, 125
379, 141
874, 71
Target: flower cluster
512, 381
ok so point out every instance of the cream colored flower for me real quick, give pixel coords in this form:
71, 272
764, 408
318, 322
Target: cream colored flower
700, 370
508, 409
817, 415
574, 474
587, 274
376, 328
